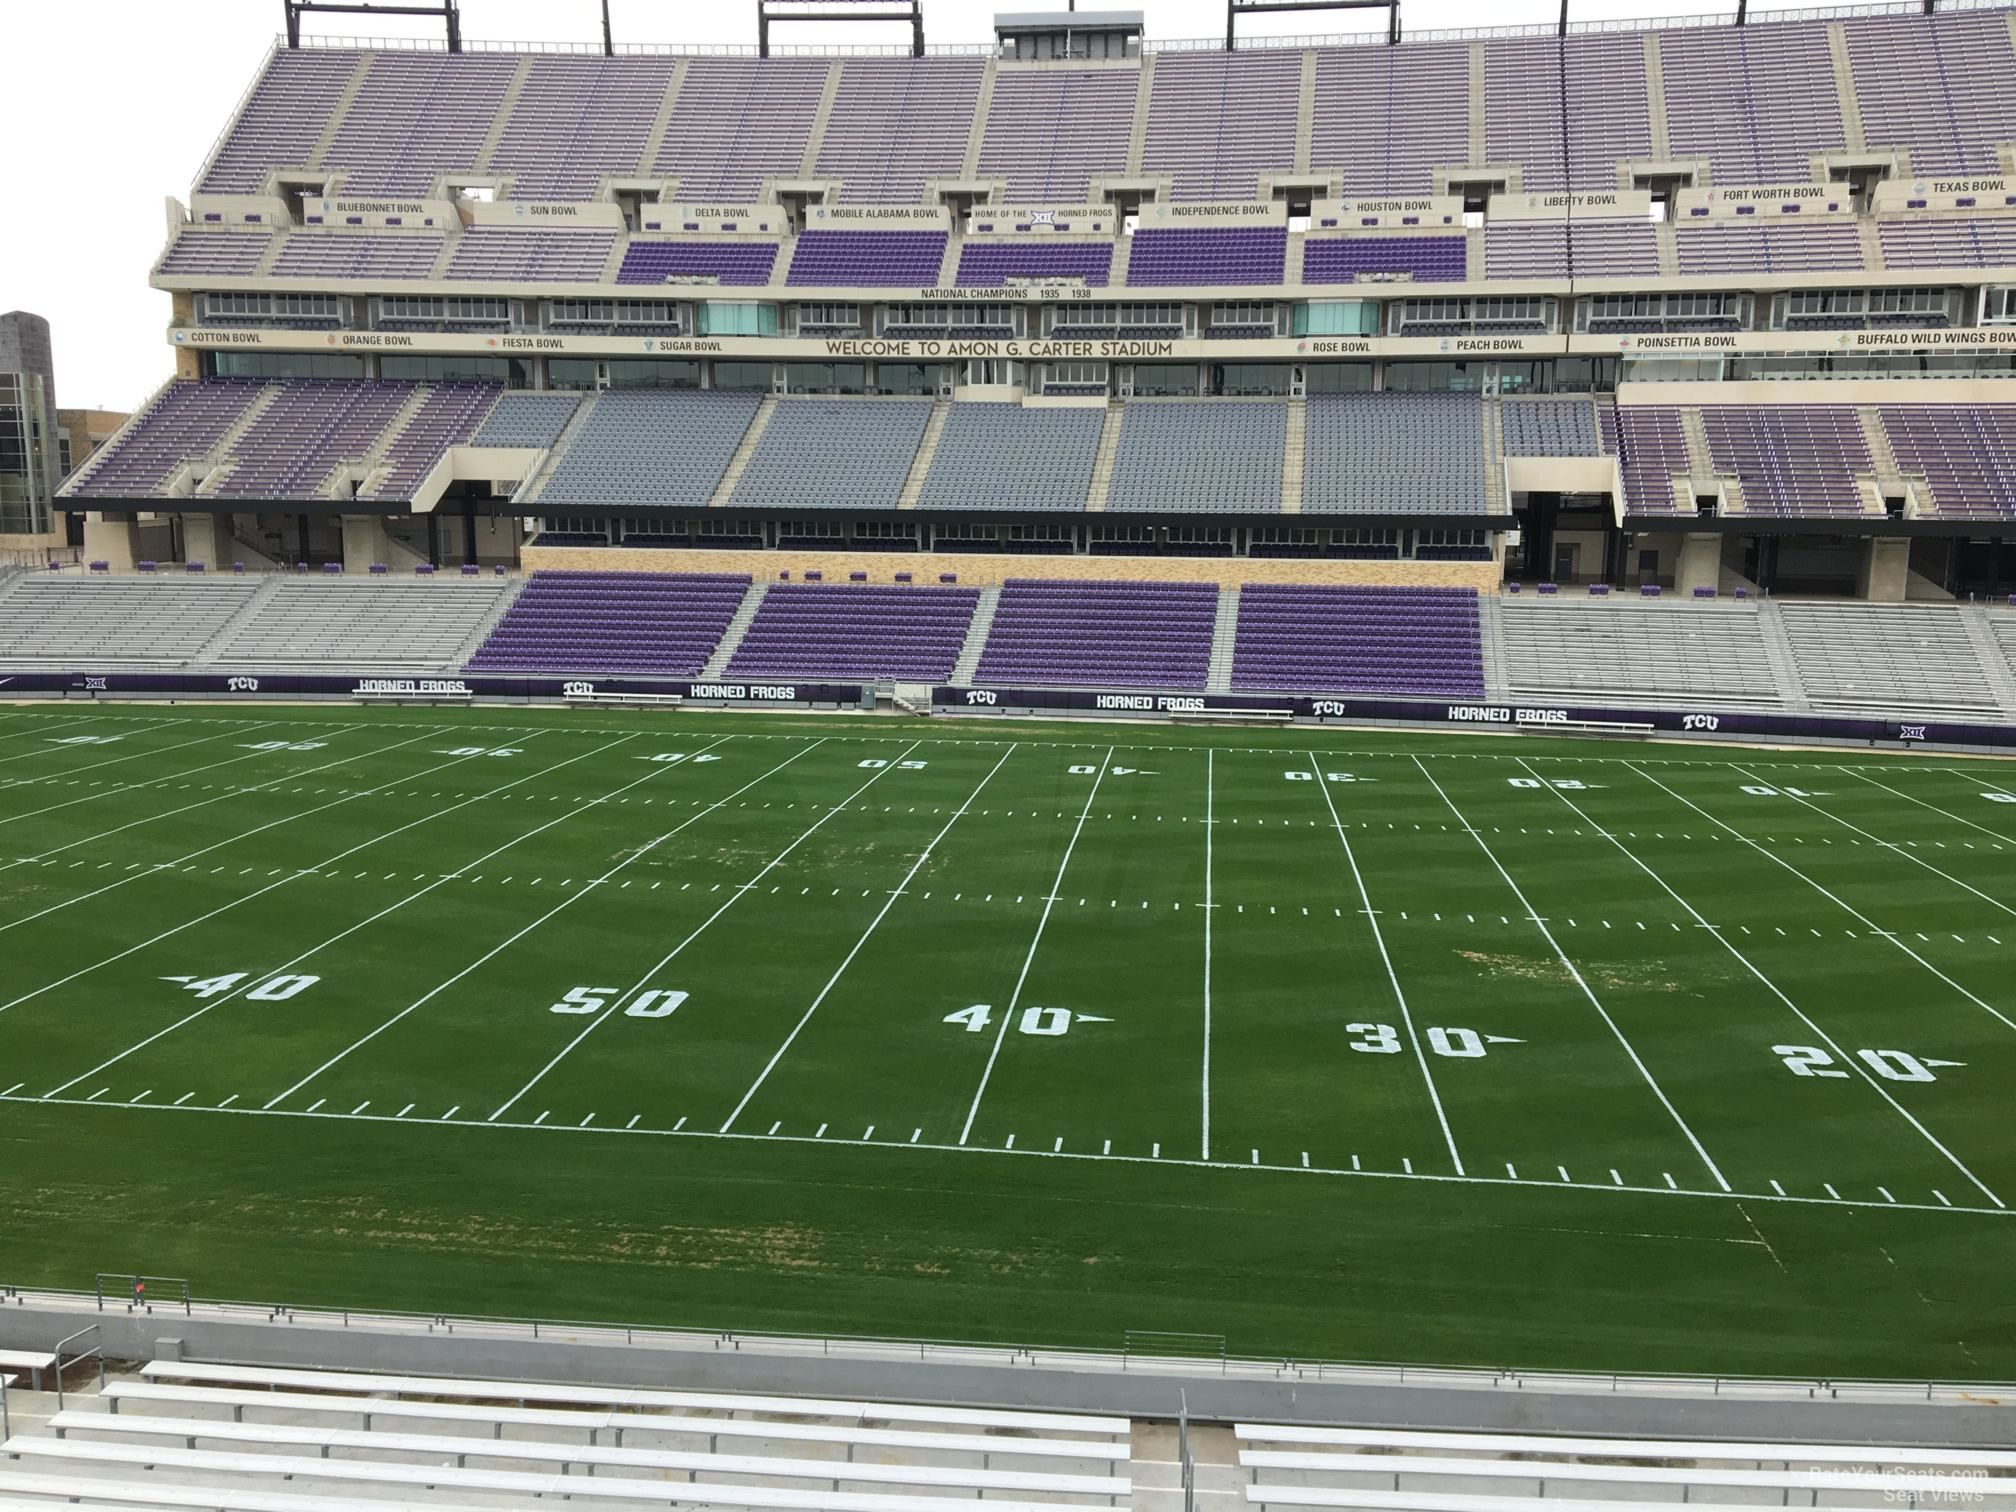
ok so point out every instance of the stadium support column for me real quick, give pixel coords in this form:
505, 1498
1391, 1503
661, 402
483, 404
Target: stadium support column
1886, 570
113, 540
206, 538
469, 532
364, 542
1700, 563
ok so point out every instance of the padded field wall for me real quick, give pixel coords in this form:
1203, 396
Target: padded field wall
925, 567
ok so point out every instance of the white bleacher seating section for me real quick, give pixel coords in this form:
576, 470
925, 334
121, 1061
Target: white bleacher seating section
2002, 624
384, 624
1903, 658
1504, 1472
281, 1440
96, 622
1633, 652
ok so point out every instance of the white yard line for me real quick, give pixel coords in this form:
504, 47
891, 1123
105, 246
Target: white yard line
1392, 976
263, 977
1050, 902
1839, 902
29, 727
874, 924
559, 908
1210, 909
219, 845
734, 897
56, 747
1038, 1152
72, 772
1947, 813
1533, 914
292, 876
1889, 845
1721, 937
159, 780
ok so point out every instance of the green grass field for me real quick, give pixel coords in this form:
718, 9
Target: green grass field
1339, 1044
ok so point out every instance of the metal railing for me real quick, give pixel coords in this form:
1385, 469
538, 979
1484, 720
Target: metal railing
1114, 1359
96, 1351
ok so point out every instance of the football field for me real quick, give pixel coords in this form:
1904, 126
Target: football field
1350, 1044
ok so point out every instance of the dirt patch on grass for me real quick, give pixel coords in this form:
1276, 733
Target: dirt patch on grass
1648, 977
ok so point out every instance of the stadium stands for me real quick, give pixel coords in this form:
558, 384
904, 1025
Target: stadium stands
448, 416
898, 123
1965, 454
387, 624
1732, 247
856, 630
1756, 101
1312, 639
1218, 120
896, 259
732, 262
510, 254
1650, 444
834, 454
736, 121
1006, 456
1150, 635
1798, 460
1364, 93
1972, 242
182, 424
1394, 453
527, 420
282, 118
1197, 454
577, 119
1630, 651
307, 429
988, 264
417, 116
1050, 129
1890, 657
1608, 117
222, 253
643, 623
1581, 249
93, 622
1549, 428
1424, 259
331, 255
1207, 255
1921, 85
651, 447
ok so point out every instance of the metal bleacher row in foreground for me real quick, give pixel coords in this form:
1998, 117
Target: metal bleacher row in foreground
1364, 454
250, 1438
1916, 660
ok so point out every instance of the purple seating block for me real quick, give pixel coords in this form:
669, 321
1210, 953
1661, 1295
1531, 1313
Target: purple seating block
612, 622
1207, 255
1340, 259
1303, 638
1086, 633
856, 630
731, 261
894, 259
984, 264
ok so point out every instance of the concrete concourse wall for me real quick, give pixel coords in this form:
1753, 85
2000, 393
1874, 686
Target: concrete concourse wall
925, 567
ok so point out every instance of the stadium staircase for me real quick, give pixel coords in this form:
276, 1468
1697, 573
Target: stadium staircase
1981, 630
731, 638
1291, 265
1224, 636
1305, 131
654, 139
1102, 461
338, 113
1655, 98
1491, 630
948, 265
371, 465
1889, 476
502, 119
1137, 139
1872, 244
983, 105
1123, 251
815, 138
968, 664
1778, 651
927, 448
214, 647
215, 469
1852, 137
1495, 500
541, 473
481, 632
1294, 447
1667, 245
739, 463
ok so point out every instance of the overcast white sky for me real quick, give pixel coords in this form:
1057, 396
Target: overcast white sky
115, 105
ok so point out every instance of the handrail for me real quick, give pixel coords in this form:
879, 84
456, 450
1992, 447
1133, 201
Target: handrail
1071, 1357
97, 1349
